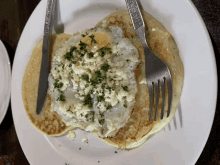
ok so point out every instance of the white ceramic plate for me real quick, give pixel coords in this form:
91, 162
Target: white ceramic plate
175, 146
5, 81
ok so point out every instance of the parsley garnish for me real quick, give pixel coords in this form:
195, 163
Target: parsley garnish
70, 65
62, 98
103, 51
100, 98
102, 121
72, 49
82, 45
88, 101
91, 54
125, 88
85, 77
68, 110
57, 84
101, 114
74, 62
93, 117
128, 60
109, 106
109, 88
125, 106
116, 152
68, 56
105, 67
92, 39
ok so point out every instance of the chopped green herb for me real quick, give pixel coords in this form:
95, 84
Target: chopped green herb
80, 148
68, 56
101, 114
62, 98
68, 110
103, 51
85, 77
109, 106
77, 51
70, 65
57, 84
92, 39
72, 49
109, 88
100, 98
116, 152
105, 67
74, 62
82, 45
103, 85
88, 101
80, 59
91, 54
128, 60
83, 35
93, 116
102, 121
111, 79
125, 88
91, 91
125, 106
87, 85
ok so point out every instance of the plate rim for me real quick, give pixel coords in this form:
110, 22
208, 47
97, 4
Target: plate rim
5, 53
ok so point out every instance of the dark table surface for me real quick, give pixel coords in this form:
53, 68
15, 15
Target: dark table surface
13, 17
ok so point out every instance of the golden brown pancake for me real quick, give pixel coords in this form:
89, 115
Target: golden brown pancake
138, 129
49, 123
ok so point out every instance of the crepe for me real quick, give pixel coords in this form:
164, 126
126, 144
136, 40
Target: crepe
138, 129
47, 122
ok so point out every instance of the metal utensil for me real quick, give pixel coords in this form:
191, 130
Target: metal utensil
157, 73
44, 71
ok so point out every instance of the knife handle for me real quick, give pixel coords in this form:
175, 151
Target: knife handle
49, 16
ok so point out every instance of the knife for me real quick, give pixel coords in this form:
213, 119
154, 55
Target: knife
44, 70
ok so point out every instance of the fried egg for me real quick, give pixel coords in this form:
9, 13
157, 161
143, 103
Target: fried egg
92, 83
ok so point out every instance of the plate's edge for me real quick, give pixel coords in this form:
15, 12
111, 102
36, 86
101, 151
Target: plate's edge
9, 90
215, 82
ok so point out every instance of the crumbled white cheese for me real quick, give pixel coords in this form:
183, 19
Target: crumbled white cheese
85, 139
71, 135
153, 29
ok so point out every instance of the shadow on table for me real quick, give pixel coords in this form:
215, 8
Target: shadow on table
7, 121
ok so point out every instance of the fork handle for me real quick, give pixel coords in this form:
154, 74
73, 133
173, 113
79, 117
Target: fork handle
137, 20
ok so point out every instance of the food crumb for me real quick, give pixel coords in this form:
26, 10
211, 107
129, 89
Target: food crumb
85, 139
116, 152
80, 148
98, 161
71, 135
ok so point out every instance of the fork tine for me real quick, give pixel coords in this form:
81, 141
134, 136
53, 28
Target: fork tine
151, 98
163, 98
156, 87
170, 94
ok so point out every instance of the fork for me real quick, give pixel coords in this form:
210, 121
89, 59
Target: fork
157, 72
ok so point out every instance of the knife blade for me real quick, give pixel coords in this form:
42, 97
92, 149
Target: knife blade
44, 70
